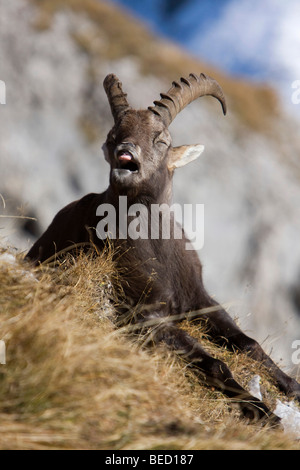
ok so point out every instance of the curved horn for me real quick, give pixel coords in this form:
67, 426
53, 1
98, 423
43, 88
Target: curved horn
116, 97
183, 93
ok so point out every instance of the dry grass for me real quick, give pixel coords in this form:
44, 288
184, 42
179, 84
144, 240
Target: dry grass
119, 34
72, 381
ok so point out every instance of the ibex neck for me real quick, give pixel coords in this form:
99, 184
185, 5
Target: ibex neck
147, 194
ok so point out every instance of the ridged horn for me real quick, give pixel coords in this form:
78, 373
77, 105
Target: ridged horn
183, 93
116, 97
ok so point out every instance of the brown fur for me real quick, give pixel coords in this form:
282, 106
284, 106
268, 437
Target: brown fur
161, 281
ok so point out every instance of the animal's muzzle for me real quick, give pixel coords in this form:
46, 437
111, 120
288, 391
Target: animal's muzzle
126, 157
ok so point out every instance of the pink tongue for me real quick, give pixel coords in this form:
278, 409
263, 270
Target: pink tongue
125, 157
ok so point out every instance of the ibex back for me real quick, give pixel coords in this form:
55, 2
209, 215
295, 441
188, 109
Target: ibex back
160, 276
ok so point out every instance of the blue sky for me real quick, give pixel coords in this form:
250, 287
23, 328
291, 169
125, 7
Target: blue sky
176, 19
256, 39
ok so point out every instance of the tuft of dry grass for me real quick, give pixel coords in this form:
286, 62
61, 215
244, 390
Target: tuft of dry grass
74, 381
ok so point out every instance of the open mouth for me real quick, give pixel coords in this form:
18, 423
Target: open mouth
126, 161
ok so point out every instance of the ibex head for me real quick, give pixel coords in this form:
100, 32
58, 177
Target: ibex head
139, 147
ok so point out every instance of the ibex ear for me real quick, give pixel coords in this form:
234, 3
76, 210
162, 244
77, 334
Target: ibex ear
183, 155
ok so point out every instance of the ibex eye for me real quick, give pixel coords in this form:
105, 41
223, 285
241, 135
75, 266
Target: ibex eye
160, 142
160, 139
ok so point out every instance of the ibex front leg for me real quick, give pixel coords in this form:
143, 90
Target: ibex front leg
224, 330
209, 370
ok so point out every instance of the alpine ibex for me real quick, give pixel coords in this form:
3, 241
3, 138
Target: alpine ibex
160, 276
